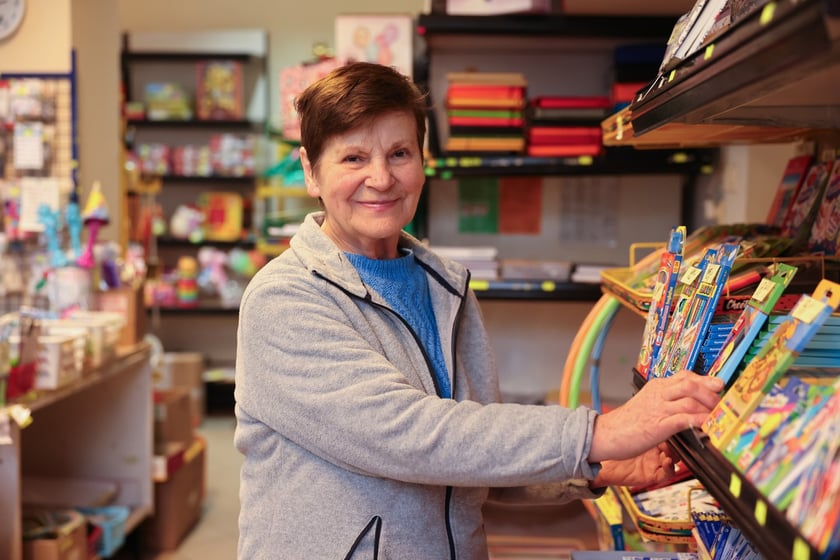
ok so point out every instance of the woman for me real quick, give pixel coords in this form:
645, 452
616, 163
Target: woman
367, 399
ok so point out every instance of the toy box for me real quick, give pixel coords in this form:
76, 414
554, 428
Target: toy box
179, 495
54, 535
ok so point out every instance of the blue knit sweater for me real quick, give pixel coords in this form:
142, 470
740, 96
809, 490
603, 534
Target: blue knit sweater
403, 284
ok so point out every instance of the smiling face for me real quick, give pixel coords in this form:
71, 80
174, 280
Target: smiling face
369, 180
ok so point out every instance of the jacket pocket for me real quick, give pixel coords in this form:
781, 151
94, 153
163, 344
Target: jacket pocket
366, 544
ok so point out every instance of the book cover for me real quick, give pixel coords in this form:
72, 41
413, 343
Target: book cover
803, 210
751, 320
571, 102
776, 407
571, 150
774, 358
794, 174
661, 300
826, 228
219, 90
498, 78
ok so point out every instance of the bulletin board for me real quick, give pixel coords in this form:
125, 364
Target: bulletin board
37, 147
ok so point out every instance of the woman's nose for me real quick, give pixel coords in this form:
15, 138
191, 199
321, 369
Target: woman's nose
380, 174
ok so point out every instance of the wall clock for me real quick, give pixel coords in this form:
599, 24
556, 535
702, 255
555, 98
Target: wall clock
11, 16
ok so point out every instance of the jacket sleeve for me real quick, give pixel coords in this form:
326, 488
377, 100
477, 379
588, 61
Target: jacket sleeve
318, 375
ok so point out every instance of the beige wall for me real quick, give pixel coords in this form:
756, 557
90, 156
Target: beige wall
292, 31
42, 43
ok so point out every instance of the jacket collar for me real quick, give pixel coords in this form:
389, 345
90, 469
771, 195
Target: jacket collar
320, 255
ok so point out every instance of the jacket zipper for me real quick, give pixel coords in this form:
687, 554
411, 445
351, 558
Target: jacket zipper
448, 500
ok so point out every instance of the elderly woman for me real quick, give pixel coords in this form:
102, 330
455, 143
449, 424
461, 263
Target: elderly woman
367, 399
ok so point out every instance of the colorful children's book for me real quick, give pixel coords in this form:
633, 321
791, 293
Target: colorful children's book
775, 357
826, 228
660, 304
803, 210
795, 171
219, 90
687, 285
750, 321
777, 407
700, 309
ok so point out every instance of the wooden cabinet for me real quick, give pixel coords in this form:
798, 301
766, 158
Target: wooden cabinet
98, 428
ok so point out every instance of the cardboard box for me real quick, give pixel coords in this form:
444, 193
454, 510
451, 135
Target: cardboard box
173, 421
179, 496
183, 369
67, 541
128, 302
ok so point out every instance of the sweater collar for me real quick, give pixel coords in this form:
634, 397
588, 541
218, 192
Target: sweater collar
322, 256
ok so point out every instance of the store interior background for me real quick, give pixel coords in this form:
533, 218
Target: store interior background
529, 340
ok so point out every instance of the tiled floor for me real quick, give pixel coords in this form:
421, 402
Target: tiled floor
215, 536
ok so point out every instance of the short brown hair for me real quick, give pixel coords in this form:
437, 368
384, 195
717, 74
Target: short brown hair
350, 96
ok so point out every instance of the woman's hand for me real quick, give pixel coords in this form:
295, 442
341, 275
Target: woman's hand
663, 407
654, 466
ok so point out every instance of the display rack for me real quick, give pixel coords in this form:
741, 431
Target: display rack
764, 525
96, 428
771, 77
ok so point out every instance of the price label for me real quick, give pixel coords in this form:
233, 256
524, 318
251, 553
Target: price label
690, 275
735, 485
767, 13
761, 512
709, 52
801, 550
807, 309
548, 286
764, 289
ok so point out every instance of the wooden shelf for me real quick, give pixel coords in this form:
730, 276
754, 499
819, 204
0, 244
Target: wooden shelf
771, 77
615, 161
530, 25
96, 428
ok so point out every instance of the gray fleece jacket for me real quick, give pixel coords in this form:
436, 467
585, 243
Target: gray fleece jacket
349, 452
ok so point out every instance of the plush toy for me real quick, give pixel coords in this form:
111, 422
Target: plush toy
187, 223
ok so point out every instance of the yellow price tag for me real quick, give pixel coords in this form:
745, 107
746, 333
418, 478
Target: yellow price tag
735, 485
619, 134
807, 309
548, 286
767, 13
671, 75
585, 160
761, 512
479, 284
709, 52
764, 289
801, 550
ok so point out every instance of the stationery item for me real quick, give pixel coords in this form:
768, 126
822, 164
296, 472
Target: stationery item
700, 309
774, 358
687, 285
750, 321
660, 305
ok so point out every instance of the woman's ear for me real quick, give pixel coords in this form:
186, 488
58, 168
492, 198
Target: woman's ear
309, 175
